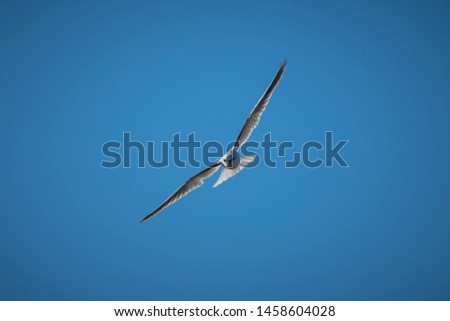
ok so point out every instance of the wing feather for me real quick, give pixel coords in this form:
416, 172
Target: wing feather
191, 184
253, 120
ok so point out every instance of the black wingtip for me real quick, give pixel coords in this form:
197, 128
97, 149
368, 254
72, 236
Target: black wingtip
284, 63
145, 218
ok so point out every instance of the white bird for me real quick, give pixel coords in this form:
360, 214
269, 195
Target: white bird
232, 162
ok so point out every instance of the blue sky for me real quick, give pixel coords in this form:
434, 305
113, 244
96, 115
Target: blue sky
75, 75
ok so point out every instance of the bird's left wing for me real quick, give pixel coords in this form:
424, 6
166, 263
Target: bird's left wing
191, 184
252, 121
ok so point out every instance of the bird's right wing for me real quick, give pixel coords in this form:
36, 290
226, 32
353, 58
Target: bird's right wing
191, 184
252, 121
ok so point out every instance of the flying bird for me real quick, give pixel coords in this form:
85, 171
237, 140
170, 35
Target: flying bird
231, 163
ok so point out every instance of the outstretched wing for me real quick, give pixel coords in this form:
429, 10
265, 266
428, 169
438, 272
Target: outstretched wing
253, 120
191, 184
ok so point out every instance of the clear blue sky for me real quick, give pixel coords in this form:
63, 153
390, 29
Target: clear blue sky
74, 75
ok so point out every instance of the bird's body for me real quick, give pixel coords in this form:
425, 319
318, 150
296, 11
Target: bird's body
232, 162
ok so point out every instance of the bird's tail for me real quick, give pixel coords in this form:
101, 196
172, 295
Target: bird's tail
230, 172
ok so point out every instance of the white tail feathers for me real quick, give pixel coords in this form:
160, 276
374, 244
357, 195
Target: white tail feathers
230, 172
